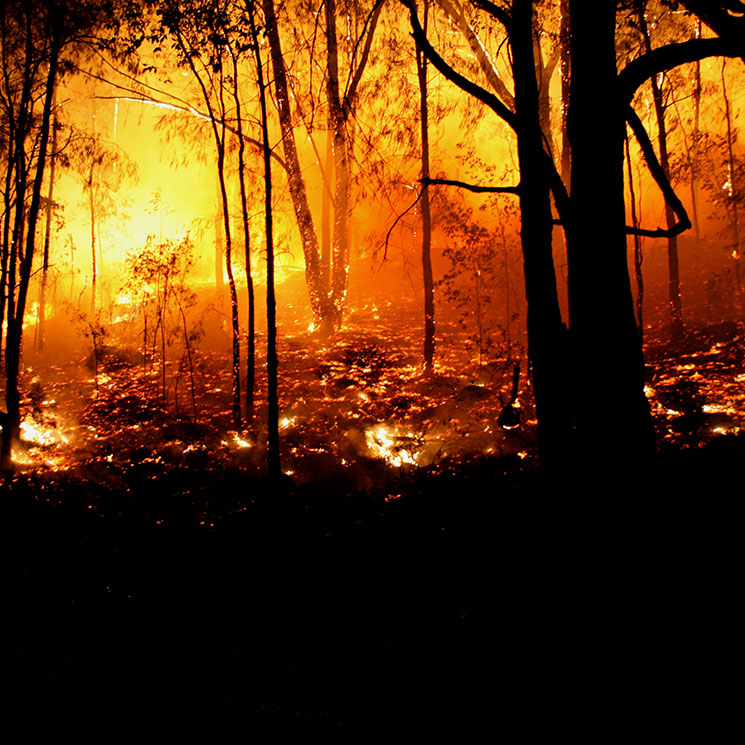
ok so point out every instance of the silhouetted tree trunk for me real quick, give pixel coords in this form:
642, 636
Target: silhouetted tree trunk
606, 343
251, 331
274, 468
429, 290
637, 246
14, 334
546, 332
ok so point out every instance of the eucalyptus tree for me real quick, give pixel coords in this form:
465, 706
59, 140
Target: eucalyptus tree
327, 290
600, 360
199, 32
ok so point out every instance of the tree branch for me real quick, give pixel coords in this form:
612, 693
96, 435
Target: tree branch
470, 187
457, 15
455, 77
658, 174
495, 11
671, 55
367, 33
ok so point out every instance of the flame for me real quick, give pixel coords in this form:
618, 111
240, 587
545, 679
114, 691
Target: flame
240, 441
389, 444
41, 434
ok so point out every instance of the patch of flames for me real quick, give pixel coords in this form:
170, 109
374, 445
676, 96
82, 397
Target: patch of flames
41, 434
397, 447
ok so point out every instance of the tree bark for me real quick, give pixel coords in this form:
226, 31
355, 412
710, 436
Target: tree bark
606, 344
546, 332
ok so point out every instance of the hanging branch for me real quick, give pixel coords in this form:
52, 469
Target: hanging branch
671, 198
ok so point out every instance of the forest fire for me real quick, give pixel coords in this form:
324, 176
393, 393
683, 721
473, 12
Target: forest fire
332, 315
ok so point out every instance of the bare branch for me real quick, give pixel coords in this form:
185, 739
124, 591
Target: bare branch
471, 187
495, 11
455, 77
658, 174
671, 55
458, 16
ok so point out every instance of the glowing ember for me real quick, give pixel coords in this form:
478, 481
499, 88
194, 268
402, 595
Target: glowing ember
240, 441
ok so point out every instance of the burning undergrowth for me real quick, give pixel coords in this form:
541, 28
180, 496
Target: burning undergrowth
355, 411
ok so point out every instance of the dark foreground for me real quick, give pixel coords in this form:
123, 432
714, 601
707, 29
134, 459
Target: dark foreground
476, 605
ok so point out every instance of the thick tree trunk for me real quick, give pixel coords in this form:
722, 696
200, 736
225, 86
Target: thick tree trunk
546, 333
612, 413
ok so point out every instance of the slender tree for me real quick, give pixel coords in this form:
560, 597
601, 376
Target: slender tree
274, 468
200, 31
428, 280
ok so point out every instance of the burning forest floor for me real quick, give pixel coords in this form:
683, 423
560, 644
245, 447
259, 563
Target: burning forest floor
421, 581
